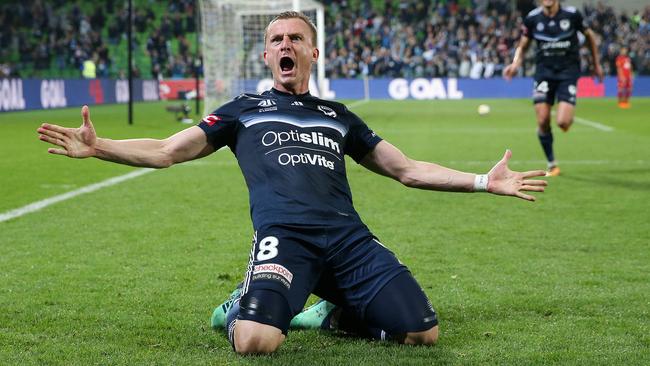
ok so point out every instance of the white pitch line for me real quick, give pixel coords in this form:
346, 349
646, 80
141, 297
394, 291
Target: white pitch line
32, 207
596, 125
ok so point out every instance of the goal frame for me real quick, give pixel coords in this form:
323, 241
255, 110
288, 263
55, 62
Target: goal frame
236, 85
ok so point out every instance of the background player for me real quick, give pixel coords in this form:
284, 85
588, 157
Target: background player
308, 237
624, 74
554, 28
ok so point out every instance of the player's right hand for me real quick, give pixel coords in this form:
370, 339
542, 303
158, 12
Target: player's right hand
75, 142
598, 71
509, 72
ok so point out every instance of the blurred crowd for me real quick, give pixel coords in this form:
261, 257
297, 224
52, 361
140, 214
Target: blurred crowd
33, 35
475, 39
425, 38
37, 35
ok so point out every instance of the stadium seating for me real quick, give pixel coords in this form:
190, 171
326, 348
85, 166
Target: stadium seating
434, 38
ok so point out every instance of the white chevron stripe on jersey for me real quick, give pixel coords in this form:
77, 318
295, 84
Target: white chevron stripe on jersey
250, 120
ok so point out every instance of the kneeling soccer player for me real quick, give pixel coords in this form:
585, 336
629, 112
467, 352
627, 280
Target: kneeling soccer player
308, 237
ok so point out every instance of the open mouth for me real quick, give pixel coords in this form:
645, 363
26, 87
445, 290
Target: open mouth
286, 64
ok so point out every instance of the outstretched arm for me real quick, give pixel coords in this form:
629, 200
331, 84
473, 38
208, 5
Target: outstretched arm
518, 58
387, 160
593, 49
83, 142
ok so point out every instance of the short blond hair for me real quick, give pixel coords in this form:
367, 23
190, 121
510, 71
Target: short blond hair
293, 15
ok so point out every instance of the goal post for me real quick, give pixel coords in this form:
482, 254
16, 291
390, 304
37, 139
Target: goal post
232, 33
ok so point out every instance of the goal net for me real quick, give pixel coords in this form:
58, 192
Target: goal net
232, 44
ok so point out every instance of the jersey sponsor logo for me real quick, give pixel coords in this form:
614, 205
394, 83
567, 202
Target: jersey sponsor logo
274, 272
305, 158
556, 45
281, 138
565, 24
327, 111
211, 119
315, 138
294, 139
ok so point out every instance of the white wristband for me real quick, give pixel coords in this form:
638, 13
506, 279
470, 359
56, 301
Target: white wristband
480, 183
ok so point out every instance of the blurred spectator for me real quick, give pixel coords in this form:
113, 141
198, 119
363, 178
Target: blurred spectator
89, 69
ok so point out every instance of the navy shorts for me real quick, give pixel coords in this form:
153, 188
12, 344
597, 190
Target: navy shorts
345, 264
546, 90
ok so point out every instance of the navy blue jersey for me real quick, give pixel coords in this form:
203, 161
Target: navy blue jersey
291, 150
558, 46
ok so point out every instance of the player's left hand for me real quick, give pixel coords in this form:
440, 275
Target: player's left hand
505, 182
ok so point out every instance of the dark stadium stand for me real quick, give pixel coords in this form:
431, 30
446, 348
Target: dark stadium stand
457, 38
391, 38
53, 38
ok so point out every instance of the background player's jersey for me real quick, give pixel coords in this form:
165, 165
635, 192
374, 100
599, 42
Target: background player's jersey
624, 66
291, 149
558, 46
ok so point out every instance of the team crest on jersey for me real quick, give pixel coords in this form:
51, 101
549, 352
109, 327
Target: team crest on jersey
211, 119
327, 110
540, 27
565, 24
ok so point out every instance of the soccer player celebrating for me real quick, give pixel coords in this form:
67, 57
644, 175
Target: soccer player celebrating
624, 74
308, 237
555, 29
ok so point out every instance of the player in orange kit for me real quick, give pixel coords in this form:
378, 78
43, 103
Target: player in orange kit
624, 73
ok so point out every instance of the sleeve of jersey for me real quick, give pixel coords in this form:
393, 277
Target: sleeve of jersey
361, 139
580, 22
220, 126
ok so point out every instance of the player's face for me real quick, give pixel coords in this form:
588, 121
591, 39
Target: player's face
289, 53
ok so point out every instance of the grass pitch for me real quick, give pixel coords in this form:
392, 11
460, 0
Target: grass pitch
129, 274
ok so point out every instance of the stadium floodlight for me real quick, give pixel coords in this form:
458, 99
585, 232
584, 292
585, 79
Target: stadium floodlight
233, 43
